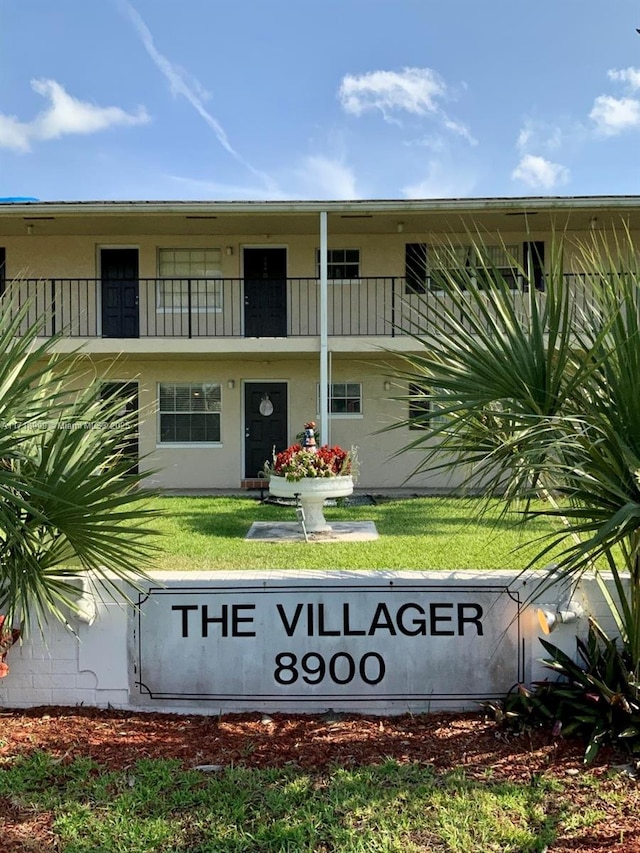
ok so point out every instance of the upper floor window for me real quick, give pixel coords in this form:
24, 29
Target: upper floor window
415, 267
342, 264
426, 267
189, 278
189, 412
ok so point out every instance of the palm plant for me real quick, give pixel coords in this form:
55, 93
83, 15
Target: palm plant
534, 393
70, 505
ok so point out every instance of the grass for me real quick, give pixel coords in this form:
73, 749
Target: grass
390, 808
420, 533
159, 805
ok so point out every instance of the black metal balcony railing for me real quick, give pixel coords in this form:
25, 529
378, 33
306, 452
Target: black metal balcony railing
223, 307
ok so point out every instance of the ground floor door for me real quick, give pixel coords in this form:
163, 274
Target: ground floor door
127, 392
265, 292
120, 297
265, 424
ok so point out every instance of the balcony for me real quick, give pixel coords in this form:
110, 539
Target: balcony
206, 308
228, 307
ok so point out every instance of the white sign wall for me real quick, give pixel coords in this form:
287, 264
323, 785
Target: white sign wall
342, 640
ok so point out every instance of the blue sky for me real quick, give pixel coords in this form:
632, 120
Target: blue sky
304, 99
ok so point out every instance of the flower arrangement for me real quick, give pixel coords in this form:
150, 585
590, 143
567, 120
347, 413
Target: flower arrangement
306, 459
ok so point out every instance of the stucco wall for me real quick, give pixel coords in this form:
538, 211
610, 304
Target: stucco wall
101, 665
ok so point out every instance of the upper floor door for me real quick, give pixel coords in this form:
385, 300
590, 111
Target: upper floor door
120, 293
265, 292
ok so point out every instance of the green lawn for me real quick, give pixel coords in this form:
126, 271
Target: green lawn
157, 805
416, 533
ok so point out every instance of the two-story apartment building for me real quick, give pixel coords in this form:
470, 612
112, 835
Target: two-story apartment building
228, 320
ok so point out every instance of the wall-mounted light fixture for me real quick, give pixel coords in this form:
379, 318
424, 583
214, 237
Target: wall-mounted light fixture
228, 250
231, 384
29, 229
400, 227
560, 613
387, 386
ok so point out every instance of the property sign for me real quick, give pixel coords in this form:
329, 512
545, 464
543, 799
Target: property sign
338, 642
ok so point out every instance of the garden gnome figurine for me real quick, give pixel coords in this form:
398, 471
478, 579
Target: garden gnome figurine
309, 436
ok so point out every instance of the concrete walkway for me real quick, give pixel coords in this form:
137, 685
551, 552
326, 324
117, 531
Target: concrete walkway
291, 531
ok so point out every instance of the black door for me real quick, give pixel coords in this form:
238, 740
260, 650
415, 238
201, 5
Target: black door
265, 293
265, 424
119, 269
127, 392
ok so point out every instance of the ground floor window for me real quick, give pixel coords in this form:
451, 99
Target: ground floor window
189, 412
421, 408
342, 264
345, 398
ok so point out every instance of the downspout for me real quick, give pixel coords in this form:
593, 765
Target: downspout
324, 333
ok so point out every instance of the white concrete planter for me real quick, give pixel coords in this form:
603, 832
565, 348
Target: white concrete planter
312, 492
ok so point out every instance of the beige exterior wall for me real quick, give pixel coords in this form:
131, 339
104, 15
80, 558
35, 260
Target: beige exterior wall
380, 255
68, 247
221, 466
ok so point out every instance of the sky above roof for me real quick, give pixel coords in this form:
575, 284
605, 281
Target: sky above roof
339, 99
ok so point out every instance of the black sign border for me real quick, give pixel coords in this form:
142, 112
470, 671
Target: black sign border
272, 588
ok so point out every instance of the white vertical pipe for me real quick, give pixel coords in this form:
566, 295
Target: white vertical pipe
324, 332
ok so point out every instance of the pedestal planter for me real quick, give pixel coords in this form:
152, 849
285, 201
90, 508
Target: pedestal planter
312, 493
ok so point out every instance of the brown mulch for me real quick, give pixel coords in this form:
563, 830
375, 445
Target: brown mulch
117, 739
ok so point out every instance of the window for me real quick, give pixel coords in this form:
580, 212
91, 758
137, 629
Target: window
345, 398
464, 264
192, 278
419, 405
189, 412
415, 267
342, 264
534, 262
503, 260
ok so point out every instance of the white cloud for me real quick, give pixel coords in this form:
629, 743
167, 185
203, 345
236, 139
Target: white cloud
64, 115
326, 178
417, 91
414, 90
630, 76
539, 173
439, 183
181, 84
14, 134
315, 177
539, 135
197, 188
613, 115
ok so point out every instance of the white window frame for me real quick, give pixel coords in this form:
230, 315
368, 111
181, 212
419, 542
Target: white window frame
213, 307
465, 257
335, 263
333, 396
194, 389
427, 406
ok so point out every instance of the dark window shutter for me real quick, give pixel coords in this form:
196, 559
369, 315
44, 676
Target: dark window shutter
533, 255
415, 261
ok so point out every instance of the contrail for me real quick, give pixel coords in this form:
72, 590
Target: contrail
180, 86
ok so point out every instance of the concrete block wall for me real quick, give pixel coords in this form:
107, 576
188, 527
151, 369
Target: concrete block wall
92, 666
